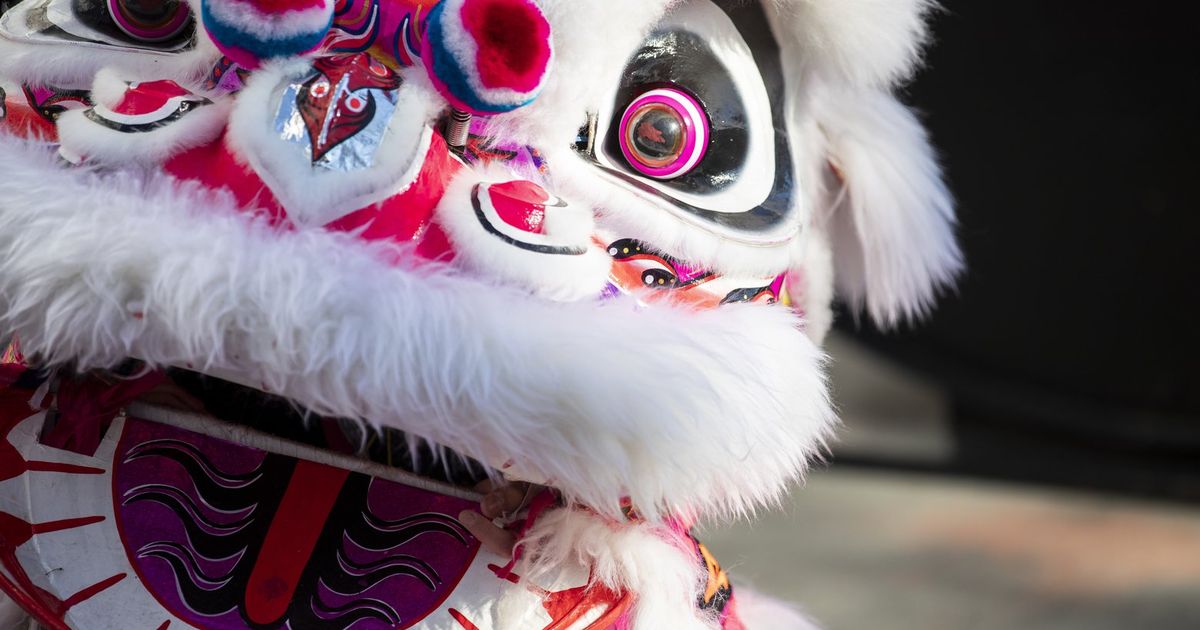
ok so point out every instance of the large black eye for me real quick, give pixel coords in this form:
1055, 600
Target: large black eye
667, 71
695, 123
157, 25
162, 26
150, 20
664, 133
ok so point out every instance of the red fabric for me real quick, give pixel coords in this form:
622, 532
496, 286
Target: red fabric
311, 494
514, 42
86, 405
9, 374
25, 122
14, 409
403, 218
147, 98
406, 217
435, 245
542, 502
521, 204
215, 166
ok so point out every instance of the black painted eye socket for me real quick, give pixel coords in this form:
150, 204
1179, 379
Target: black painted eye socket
671, 67
664, 133
712, 148
154, 24
150, 20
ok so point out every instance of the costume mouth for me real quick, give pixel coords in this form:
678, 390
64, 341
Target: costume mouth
347, 441
232, 507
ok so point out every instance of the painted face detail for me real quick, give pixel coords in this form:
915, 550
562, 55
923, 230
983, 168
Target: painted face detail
147, 107
150, 21
228, 536
717, 589
695, 124
186, 530
183, 529
641, 270
226, 75
521, 159
347, 97
152, 25
515, 212
50, 102
391, 30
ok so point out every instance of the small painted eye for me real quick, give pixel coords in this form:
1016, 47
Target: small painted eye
150, 20
664, 133
356, 103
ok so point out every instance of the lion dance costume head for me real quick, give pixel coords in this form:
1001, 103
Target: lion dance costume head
282, 281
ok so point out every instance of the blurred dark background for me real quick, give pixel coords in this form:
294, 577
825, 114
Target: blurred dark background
1070, 132
1029, 457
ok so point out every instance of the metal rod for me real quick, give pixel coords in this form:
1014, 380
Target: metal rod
458, 130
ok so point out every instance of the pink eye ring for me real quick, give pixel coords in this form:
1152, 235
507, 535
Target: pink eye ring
664, 133
149, 20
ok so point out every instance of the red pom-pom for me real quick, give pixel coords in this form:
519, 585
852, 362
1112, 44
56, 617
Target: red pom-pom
513, 38
488, 56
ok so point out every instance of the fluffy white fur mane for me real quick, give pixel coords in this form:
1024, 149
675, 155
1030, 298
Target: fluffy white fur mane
711, 412
700, 413
621, 402
869, 171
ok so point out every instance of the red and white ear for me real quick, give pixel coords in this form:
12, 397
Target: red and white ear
886, 210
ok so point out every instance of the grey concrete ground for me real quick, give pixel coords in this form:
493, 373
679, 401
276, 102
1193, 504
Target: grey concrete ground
878, 550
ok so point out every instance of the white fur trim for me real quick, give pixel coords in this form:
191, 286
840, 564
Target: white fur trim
267, 25
708, 411
73, 67
811, 285
652, 562
556, 277
759, 612
315, 196
892, 224
863, 42
109, 87
81, 136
